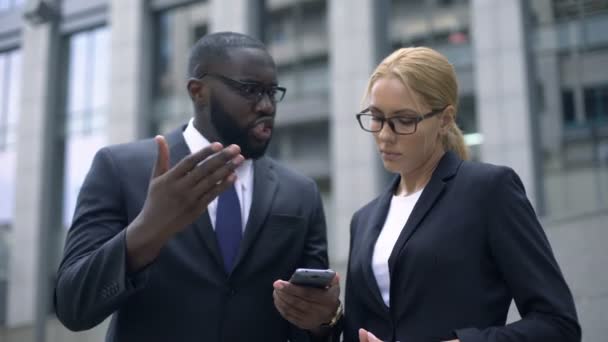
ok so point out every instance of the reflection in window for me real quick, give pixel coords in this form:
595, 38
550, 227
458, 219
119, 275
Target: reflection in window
568, 107
305, 80
570, 62
568, 9
10, 64
299, 146
10, 86
87, 100
176, 31
596, 104
444, 26
296, 36
10, 4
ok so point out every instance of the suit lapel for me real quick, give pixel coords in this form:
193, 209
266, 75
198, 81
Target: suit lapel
376, 221
265, 185
446, 169
202, 226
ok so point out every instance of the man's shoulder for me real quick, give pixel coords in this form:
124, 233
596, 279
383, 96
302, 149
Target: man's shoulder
144, 148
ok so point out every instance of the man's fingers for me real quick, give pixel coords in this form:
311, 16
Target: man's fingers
162, 159
190, 162
212, 171
217, 189
293, 303
212, 180
287, 311
308, 294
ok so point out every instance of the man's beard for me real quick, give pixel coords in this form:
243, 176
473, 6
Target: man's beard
230, 132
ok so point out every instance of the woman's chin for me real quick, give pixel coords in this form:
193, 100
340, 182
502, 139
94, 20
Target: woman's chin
391, 166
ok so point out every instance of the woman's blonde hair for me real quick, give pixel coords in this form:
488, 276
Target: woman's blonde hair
430, 75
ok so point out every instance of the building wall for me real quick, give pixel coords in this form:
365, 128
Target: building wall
325, 55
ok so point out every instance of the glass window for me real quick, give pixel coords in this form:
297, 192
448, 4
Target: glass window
86, 109
303, 146
570, 63
596, 104
10, 4
176, 31
305, 80
296, 38
10, 86
444, 26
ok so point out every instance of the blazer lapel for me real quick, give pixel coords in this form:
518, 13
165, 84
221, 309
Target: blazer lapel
447, 168
202, 226
265, 185
376, 221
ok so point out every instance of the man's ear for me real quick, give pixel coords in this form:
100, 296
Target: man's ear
198, 91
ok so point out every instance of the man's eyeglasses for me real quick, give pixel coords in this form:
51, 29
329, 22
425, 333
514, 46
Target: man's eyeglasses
253, 91
402, 125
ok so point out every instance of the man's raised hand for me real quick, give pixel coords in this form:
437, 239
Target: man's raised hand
178, 196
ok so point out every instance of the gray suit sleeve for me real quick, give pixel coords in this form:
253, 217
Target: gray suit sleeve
92, 281
315, 250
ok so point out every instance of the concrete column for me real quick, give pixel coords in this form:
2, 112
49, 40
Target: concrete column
354, 171
36, 142
244, 16
130, 48
503, 90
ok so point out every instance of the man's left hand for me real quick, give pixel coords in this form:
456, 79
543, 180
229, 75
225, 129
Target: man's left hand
307, 307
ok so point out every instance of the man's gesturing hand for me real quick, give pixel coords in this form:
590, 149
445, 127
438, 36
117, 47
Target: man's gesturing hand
178, 196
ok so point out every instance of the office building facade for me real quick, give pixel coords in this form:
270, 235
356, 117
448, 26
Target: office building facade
76, 75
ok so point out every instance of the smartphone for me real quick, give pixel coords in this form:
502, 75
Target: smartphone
312, 277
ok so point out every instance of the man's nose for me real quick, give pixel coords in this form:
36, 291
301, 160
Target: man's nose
265, 104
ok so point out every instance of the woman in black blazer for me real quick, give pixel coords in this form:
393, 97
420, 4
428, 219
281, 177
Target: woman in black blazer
440, 254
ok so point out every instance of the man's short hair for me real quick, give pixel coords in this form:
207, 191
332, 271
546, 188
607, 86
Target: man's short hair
214, 47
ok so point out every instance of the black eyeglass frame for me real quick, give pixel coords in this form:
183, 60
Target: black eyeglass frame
390, 120
240, 87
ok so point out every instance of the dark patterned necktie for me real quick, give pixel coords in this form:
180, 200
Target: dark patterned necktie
228, 226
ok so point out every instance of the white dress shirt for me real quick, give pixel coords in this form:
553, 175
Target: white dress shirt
398, 214
244, 175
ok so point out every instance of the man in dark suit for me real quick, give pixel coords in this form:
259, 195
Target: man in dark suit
154, 246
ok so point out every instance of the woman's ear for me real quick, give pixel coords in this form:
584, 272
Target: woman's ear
447, 119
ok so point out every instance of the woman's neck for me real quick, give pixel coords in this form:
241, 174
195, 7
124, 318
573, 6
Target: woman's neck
417, 179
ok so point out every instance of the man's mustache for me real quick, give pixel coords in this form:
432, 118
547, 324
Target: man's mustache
261, 119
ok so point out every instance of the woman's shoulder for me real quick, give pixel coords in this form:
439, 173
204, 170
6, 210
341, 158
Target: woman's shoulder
367, 209
484, 169
483, 173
